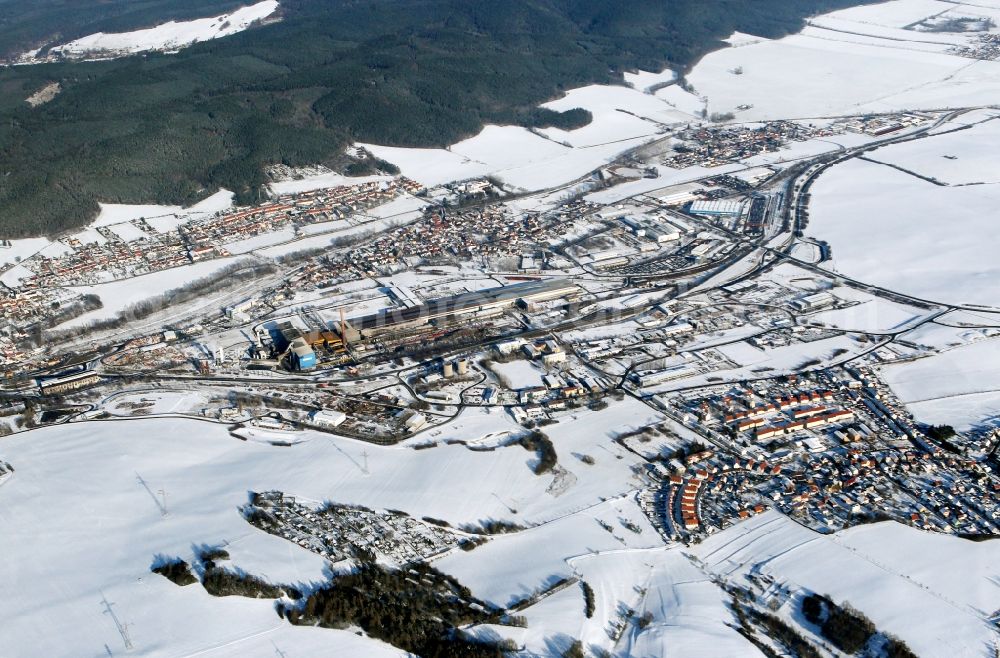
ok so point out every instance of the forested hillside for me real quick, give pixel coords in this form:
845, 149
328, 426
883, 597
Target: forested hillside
173, 128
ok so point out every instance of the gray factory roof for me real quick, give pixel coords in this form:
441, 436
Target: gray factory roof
464, 302
299, 347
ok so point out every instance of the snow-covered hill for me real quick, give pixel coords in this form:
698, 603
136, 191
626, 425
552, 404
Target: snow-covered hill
167, 36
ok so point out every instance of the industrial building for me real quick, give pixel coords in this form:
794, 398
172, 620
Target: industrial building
287, 333
298, 347
486, 302
814, 302
412, 420
717, 208
300, 355
549, 351
66, 383
677, 195
636, 225
654, 377
508, 346
646, 228
328, 418
660, 235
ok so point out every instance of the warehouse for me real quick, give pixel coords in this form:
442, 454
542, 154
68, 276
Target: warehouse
480, 302
655, 377
814, 302
677, 195
717, 208
66, 383
635, 225
660, 236
327, 418
401, 294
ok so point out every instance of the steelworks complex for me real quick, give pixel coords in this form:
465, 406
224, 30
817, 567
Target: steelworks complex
485, 302
297, 346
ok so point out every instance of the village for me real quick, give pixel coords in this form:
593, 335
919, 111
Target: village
144, 246
828, 457
340, 532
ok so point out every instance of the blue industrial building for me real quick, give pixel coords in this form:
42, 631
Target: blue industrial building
300, 355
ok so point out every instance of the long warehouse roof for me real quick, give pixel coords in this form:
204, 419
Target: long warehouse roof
466, 301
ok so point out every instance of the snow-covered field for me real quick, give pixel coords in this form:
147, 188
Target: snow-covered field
872, 314
623, 117
898, 231
520, 158
963, 157
169, 36
691, 615
645, 115
520, 373
960, 386
155, 402
645, 80
963, 411
498, 572
849, 62
320, 181
755, 362
120, 295
936, 592
21, 249
79, 524
163, 216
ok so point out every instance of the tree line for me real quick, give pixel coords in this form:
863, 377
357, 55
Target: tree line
161, 128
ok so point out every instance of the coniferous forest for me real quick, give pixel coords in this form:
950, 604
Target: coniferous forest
173, 128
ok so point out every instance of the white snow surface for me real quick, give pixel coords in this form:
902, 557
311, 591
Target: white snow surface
963, 157
78, 523
645, 115
681, 100
895, 230
644, 80
520, 158
691, 615
873, 314
530, 160
521, 373
119, 295
497, 572
21, 249
321, 181
964, 381
848, 62
934, 591
79, 526
171, 35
